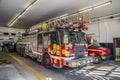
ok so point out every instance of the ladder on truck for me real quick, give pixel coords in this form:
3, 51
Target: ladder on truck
66, 20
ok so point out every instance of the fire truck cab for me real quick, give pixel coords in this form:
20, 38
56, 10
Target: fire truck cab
56, 48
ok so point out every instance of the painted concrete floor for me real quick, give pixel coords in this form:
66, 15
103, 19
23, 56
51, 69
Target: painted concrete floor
13, 70
108, 70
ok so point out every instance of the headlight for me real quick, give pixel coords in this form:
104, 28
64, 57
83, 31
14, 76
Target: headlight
103, 53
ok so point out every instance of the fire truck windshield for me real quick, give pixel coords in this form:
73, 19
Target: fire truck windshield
75, 37
81, 37
68, 37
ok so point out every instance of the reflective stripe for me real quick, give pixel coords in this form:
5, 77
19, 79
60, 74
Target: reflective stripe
65, 58
68, 58
55, 57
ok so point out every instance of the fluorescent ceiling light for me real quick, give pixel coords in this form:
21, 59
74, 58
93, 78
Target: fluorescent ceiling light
13, 19
21, 13
96, 6
101, 5
85, 10
19, 16
29, 7
35, 2
12, 23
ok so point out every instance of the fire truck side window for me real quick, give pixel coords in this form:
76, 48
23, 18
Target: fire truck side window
45, 40
40, 39
54, 38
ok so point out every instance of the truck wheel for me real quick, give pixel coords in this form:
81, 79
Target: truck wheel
97, 59
47, 61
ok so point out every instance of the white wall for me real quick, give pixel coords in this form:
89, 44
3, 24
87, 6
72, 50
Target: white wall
10, 30
105, 30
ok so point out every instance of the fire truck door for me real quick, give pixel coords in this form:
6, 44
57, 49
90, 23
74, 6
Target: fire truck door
54, 48
54, 40
45, 42
39, 45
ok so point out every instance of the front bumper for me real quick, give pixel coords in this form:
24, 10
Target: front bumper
80, 62
106, 57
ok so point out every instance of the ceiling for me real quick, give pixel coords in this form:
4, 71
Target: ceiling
46, 9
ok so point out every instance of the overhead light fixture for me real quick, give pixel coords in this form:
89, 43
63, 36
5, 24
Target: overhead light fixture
21, 13
29, 7
13, 19
85, 10
107, 2
12, 23
103, 4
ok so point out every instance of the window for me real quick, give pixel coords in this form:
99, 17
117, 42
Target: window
54, 38
39, 38
72, 37
13, 34
45, 40
81, 37
6, 33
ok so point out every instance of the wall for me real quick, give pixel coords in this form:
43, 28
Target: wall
104, 31
10, 30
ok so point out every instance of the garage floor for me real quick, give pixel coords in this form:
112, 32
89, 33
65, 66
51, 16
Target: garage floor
19, 68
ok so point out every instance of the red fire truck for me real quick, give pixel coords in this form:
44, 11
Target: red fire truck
55, 48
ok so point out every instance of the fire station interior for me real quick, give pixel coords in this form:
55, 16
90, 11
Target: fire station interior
59, 39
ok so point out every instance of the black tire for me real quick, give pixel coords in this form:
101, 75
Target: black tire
33, 58
97, 59
47, 61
